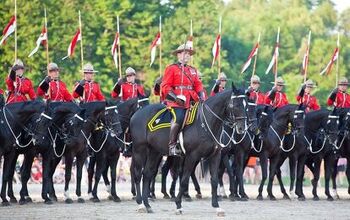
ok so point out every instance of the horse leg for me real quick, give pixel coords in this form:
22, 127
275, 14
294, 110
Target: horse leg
188, 167
106, 180
46, 178
148, 173
165, 171
226, 162
214, 162
90, 171
81, 157
334, 178
263, 164
8, 157
25, 175
292, 167
239, 162
53, 166
279, 178
347, 172
221, 189
113, 165
68, 174
300, 177
10, 182
314, 181
138, 159
196, 185
273, 167
100, 166
328, 167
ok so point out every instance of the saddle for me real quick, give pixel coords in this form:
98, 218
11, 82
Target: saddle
162, 119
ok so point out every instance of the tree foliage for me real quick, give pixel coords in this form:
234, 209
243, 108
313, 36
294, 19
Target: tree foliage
242, 21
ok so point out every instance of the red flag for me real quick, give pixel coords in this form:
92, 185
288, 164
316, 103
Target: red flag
251, 55
76, 38
41, 40
216, 48
155, 43
114, 49
329, 66
8, 30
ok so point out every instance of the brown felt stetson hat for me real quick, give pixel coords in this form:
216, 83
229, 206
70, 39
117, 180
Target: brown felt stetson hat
184, 47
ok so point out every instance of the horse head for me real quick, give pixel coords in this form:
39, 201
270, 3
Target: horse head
237, 109
252, 117
264, 118
110, 119
298, 120
68, 119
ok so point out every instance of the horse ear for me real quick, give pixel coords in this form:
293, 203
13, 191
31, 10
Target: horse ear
234, 89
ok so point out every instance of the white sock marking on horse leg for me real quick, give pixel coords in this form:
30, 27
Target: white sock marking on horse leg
292, 194
108, 188
222, 191
66, 194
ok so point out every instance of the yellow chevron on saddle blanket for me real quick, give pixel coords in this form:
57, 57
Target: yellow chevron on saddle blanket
163, 117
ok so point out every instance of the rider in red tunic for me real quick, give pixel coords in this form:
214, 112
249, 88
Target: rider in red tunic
275, 97
219, 84
180, 86
18, 85
52, 88
339, 97
254, 93
129, 89
304, 96
87, 89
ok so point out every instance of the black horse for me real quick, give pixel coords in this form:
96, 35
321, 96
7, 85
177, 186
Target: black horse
79, 129
37, 139
289, 118
343, 148
15, 117
125, 112
105, 147
242, 145
200, 140
317, 123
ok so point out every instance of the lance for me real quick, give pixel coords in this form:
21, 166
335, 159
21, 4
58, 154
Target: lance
256, 56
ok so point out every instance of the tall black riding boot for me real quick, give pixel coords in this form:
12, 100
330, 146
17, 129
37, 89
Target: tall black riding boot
174, 131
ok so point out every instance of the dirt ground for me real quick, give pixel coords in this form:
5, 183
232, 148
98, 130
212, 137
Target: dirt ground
165, 209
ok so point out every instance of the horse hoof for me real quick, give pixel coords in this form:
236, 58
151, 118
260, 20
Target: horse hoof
116, 199
301, 198
179, 211
53, 198
220, 212
29, 200
286, 197
81, 200
133, 197
232, 198
272, 198
141, 209
166, 196
316, 198
22, 202
13, 200
95, 199
187, 198
68, 201
6, 203
245, 196
243, 199
330, 198
48, 202
260, 198
199, 196
149, 210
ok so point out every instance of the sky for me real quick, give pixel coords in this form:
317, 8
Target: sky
341, 5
